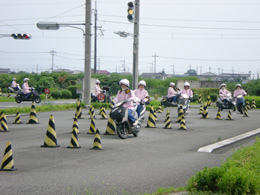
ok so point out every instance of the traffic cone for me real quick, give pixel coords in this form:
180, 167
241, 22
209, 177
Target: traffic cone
180, 113
111, 127
97, 141
90, 108
50, 138
0, 92
253, 106
247, 105
1, 116
182, 123
159, 110
229, 115
201, 110
200, 99
245, 113
209, 101
154, 113
33, 116
92, 128
167, 114
151, 120
103, 113
218, 117
205, 114
9, 95
92, 113
78, 112
74, 140
8, 161
4, 127
17, 118
168, 122
75, 126
101, 110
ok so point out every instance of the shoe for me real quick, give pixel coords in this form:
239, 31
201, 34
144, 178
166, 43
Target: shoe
135, 123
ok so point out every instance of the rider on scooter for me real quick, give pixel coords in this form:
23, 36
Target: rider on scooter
187, 91
141, 93
97, 88
14, 85
223, 93
239, 91
172, 94
26, 88
128, 95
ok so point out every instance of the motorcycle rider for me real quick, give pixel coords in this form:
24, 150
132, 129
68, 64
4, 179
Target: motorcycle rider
141, 93
239, 91
26, 88
14, 85
187, 91
97, 88
172, 94
223, 93
128, 95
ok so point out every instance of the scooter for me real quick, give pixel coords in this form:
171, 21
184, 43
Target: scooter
35, 97
184, 100
103, 97
123, 126
167, 102
14, 90
229, 105
241, 103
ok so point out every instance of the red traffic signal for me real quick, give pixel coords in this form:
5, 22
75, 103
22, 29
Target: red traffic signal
21, 36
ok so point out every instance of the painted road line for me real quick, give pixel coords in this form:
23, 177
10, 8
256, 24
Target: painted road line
212, 147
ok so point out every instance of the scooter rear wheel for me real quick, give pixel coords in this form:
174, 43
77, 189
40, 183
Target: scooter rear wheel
37, 100
121, 131
18, 100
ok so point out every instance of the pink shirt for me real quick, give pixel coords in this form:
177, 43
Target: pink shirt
141, 94
14, 84
171, 92
26, 88
97, 90
188, 92
223, 93
239, 92
122, 95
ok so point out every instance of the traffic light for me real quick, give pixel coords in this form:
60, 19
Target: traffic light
21, 36
130, 11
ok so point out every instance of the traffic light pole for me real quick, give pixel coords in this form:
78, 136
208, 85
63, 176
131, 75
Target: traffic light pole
136, 45
87, 62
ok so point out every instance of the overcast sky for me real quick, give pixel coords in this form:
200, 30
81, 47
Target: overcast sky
215, 35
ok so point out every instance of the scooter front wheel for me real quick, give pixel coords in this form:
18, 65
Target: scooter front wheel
18, 100
37, 100
121, 131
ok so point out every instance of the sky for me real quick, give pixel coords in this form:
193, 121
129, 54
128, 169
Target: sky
208, 36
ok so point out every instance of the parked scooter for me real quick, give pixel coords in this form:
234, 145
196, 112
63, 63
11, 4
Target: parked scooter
241, 103
14, 90
184, 100
123, 126
35, 97
229, 105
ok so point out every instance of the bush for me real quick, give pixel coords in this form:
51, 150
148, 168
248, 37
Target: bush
213, 97
56, 94
205, 92
65, 93
73, 90
195, 98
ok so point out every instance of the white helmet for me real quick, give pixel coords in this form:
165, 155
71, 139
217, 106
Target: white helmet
25, 79
124, 82
172, 84
238, 85
14, 78
186, 84
142, 82
223, 84
97, 81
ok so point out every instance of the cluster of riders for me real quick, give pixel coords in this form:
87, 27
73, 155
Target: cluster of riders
25, 87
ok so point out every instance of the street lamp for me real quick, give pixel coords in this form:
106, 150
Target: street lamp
87, 53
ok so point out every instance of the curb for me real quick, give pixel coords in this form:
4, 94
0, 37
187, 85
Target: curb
210, 148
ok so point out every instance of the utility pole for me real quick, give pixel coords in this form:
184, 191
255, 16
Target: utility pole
123, 65
200, 70
136, 44
173, 71
233, 70
52, 58
209, 69
218, 71
87, 62
155, 61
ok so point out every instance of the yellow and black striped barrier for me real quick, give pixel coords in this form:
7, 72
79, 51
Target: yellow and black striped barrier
8, 161
97, 141
50, 138
74, 141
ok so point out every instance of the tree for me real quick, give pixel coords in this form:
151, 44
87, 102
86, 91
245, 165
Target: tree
192, 72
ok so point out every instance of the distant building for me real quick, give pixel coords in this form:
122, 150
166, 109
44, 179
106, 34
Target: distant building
208, 76
101, 72
154, 75
5, 70
63, 70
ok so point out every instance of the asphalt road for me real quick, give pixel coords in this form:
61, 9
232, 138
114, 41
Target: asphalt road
156, 158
